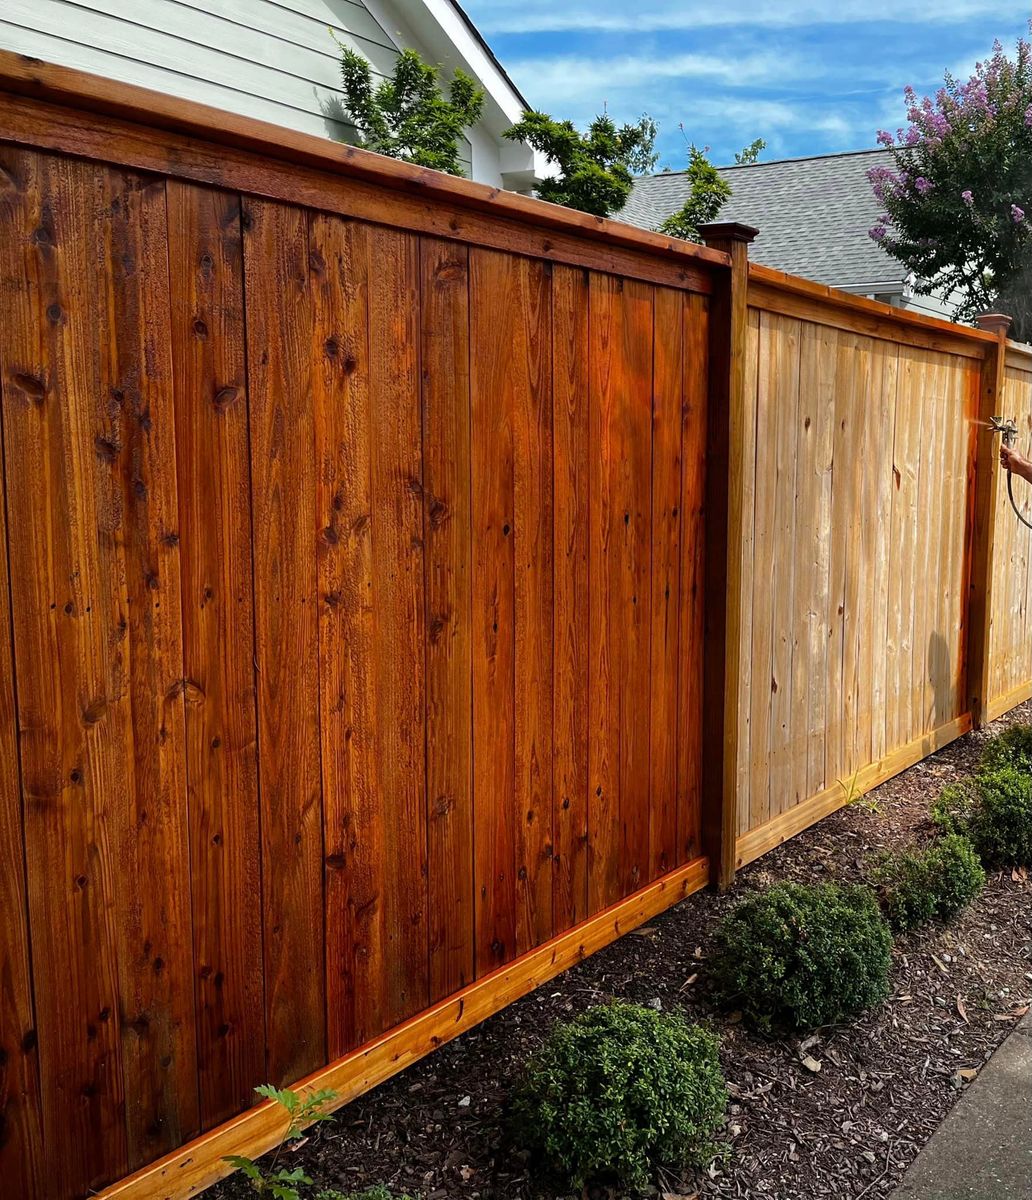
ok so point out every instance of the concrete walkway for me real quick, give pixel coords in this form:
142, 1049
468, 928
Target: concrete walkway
983, 1150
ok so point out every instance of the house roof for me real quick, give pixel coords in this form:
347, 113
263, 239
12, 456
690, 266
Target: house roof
813, 215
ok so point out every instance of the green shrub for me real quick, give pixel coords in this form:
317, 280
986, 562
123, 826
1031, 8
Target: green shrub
619, 1091
377, 1192
954, 807
916, 886
1011, 748
1001, 822
801, 955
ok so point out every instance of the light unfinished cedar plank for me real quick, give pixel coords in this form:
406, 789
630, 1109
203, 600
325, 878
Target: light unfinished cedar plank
399, 617
820, 630
764, 560
665, 534
908, 465
855, 396
444, 295
278, 305
570, 596
842, 500
209, 371
694, 394
784, 464
807, 537
883, 639
339, 266
929, 377
746, 566
870, 462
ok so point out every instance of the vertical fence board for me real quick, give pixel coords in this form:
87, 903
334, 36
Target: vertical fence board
399, 588
620, 574
52, 378
21, 1127
665, 537
570, 514
278, 310
339, 266
207, 338
531, 398
492, 306
444, 287
691, 615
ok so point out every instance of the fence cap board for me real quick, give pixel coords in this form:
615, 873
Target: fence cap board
861, 304
24, 75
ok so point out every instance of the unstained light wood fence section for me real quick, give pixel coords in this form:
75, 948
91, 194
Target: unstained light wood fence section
1010, 668
351, 638
856, 556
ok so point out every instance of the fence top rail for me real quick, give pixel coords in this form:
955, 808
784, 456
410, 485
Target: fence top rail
1019, 356
973, 340
24, 75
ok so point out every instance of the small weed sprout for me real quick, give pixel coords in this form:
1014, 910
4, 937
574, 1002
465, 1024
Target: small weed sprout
279, 1182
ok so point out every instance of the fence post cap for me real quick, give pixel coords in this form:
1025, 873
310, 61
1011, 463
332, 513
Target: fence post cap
727, 231
994, 322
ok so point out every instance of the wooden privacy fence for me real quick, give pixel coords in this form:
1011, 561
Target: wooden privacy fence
409, 588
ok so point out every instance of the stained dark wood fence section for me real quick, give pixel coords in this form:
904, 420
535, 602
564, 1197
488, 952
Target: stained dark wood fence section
351, 620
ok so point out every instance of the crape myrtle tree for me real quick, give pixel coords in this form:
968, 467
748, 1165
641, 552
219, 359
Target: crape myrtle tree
407, 116
596, 168
958, 198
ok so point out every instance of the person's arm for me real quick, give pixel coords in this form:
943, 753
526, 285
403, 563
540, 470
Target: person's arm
1011, 460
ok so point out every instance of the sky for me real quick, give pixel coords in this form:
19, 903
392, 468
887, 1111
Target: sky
808, 76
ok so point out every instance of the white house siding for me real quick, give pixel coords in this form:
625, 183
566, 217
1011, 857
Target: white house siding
271, 59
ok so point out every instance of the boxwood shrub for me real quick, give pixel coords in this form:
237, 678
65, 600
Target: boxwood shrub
620, 1091
801, 955
1011, 748
932, 884
1001, 820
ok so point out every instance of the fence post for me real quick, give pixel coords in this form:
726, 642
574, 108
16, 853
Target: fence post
986, 488
725, 477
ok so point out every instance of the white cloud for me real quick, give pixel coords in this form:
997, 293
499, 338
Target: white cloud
546, 16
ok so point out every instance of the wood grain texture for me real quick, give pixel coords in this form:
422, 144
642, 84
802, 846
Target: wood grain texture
213, 469
399, 598
620, 573
92, 427
21, 1126
339, 266
571, 503
279, 367
665, 538
445, 350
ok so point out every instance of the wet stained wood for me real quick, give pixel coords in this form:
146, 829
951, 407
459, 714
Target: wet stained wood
209, 371
399, 616
620, 585
91, 425
339, 258
278, 309
691, 617
21, 1128
570, 595
665, 537
444, 374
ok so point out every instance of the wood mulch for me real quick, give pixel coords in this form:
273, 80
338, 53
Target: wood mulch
840, 1114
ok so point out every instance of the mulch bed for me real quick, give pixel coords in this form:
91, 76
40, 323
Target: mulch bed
848, 1130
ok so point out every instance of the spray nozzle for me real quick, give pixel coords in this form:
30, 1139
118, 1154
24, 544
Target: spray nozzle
1006, 427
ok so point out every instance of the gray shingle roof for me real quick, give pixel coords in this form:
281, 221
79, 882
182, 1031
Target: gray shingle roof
813, 215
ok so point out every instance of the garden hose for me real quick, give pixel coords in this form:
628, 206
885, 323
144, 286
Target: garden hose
1010, 432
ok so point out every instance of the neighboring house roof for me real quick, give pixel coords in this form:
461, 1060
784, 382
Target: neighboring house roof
813, 215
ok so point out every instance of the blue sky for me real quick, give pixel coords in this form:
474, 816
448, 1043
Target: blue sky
809, 76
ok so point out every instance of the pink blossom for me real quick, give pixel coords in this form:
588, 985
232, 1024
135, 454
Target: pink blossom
878, 232
967, 197
1017, 214
924, 186
884, 138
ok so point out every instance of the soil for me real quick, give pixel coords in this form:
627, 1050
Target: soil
839, 1114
